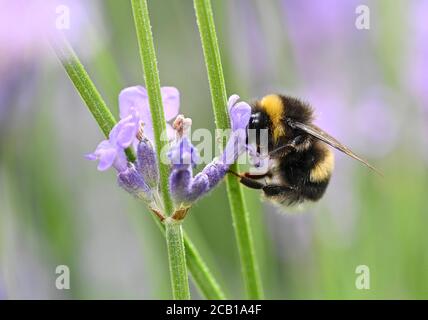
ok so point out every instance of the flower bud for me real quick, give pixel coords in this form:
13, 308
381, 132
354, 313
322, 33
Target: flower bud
147, 163
133, 182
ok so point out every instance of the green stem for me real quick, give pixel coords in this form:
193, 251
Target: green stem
174, 237
240, 216
151, 77
86, 87
177, 259
105, 120
200, 272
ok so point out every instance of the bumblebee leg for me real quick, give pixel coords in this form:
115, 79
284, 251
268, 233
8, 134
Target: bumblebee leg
251, 183
248, 182
272, 190
256, 176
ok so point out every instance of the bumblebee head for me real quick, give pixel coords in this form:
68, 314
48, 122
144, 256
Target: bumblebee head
259, 120
274, 112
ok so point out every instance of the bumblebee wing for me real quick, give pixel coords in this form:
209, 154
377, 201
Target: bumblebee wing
320, 134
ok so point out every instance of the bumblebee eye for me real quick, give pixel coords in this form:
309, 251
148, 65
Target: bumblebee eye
290, 122
254, 120
257, 121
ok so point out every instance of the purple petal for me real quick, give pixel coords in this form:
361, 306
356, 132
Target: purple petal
171, 102
189, 154
170, 132
106, 158
103, 145
240, 115
232, 100
183, 154
124, 132
91, 156
235, 147
126, 135
105, 153
120, 162
133, 98
148, 130
239, 112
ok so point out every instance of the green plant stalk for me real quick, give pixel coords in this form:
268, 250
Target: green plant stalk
105, 120
86, 88
240, 216
84, 85
177, 259
151, 78
201, 275
174, 237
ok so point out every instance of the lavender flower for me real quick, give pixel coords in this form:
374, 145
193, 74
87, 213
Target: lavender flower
133, 182
185, 188
136, 99
239, 112
147, 163
135, 131
240, 116
111, 152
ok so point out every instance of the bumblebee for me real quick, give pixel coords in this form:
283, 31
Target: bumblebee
300, 160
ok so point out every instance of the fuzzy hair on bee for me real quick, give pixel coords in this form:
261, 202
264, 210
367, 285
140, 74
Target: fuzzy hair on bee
300, 160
